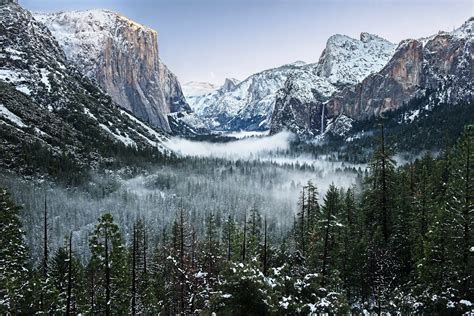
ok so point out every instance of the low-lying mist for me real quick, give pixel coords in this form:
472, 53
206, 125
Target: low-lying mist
225, 179
244, 148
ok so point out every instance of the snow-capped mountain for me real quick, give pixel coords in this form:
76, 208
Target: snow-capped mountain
346, 60
438, 68
251, 104
47, 105
196, 89
122, 57
245, 105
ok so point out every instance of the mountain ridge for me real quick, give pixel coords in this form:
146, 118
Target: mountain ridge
122, 56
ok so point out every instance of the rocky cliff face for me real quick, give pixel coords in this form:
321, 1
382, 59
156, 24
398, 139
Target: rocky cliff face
443, 63
122, 57
440, 66
344, 62
47, 105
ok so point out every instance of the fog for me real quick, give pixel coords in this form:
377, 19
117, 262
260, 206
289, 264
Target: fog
244, 148
227, 179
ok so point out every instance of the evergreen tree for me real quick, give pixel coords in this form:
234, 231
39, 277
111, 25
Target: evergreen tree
231, 239
254, 234
14, 272
109, 260
329, 226
67, 277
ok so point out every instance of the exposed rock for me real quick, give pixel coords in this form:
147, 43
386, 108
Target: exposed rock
441, 64
46, 104
345, 61
122, 56
444, 63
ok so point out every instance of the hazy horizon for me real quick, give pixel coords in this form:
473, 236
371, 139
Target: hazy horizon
212, 40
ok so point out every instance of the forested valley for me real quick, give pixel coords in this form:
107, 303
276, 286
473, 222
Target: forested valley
398, 241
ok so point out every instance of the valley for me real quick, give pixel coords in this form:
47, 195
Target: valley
342, 185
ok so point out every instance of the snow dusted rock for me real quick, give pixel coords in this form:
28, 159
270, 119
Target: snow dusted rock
345, 61
441, 64
371, 76
245, 105
122, 57
45, 102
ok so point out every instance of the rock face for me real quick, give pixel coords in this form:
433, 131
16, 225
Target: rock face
344, 62
246, 105
46, 104
440, 65
122, 57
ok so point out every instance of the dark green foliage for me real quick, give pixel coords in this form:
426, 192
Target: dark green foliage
14, 272
108, 264
401, 242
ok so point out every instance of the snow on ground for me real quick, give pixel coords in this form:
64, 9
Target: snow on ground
45, 79
6, 113
126, 140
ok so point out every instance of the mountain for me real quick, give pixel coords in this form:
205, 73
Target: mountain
344, 62
437, 69
51, 116
250, 105
197, 89
245, 105
122, 57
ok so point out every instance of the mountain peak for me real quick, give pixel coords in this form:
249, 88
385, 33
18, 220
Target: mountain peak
348, 60
465, 30
367, 37
229, 84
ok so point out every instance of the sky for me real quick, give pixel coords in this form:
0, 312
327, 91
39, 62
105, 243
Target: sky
210, 40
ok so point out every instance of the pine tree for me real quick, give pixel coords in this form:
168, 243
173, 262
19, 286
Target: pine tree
460, 206
180, 263
329, 225
254, 234
231, 240
109, 260
14, 273
66, 273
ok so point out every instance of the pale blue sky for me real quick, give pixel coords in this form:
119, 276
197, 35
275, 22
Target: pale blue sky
209, 40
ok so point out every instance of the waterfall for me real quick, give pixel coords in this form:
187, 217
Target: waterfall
322, 120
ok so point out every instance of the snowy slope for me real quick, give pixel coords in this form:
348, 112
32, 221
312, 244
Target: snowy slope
45, 101
122, 57
250, 105
346, 60
243, 105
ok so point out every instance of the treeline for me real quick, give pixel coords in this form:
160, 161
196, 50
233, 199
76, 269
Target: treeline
402, 243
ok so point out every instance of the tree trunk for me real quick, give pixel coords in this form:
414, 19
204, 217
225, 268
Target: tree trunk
134, 271
265, 249
69, 278
326, 249
107, 274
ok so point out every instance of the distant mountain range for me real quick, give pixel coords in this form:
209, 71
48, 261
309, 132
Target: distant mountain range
354, 79
79, 82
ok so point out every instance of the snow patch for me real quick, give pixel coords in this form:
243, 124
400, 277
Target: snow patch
6, 113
